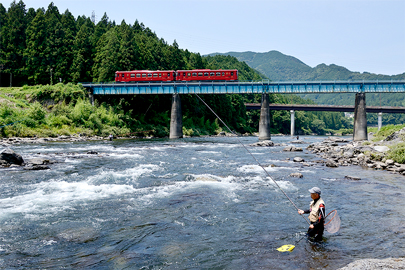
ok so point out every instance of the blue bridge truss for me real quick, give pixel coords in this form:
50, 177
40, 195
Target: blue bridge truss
246, 87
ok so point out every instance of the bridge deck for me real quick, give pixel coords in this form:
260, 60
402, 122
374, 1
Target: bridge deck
330, 108
246, 87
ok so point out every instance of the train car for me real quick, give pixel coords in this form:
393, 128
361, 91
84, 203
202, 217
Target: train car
207, 75
145, 76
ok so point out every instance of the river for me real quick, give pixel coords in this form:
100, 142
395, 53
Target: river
193, 203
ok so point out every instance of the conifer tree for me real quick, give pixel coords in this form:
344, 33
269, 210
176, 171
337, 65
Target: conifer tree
54, 41
66, 58
106, 57
83, 53
127, 52
35, 51
13, 40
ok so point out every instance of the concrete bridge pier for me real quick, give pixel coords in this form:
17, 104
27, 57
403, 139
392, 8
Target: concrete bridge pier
176, 118
292, 122
379, 121
360, 119
264, 123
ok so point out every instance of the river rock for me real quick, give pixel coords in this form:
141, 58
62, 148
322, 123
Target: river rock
11, 157
298, 159
389, 162
298, 175
292, 149
91, 152
297, 142
381, 148
352, 177
331, 164
38, 161
37, 167
267, 143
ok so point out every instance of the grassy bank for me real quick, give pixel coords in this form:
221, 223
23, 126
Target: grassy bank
397, 148
50, 111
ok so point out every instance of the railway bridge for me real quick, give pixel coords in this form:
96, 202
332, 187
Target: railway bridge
360, 88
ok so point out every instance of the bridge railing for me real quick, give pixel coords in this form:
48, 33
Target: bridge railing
246, 87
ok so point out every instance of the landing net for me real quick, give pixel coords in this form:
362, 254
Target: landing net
332, 222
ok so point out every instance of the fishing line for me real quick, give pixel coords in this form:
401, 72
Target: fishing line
251, 155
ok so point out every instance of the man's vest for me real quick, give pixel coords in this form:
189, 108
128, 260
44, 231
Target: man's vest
313, 215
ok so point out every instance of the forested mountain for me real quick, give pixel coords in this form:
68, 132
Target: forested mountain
280, 67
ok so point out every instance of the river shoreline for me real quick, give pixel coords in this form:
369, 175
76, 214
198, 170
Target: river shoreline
340, 152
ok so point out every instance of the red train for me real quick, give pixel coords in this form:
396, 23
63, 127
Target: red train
176, 75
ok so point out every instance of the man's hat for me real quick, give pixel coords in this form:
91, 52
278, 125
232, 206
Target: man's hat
315, 190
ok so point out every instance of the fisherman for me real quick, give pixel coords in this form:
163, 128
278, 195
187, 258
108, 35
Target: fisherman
110, 137
316, 214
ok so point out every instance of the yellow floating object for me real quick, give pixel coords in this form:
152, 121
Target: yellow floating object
286, 248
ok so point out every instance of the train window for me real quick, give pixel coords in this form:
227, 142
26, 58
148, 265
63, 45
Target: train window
168, 74
223, 73
218, 73
143, 75
122, 75
132, 75
149, 75
189, 74
205, 73
232, 73
200, 73
194, 74
138, 75
155, 75
212, 74
160, 74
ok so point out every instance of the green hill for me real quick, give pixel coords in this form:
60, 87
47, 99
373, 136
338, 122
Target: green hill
280, 67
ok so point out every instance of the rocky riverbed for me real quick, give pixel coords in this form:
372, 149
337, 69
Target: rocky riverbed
376, 264
340, 152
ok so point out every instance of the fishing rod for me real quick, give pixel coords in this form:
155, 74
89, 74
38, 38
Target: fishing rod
252, 156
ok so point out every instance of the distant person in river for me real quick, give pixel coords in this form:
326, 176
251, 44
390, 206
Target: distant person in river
316, 215
111, 137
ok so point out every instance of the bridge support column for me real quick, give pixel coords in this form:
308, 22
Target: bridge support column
176, 118
264, 123
360, 119
91, 97
379, 120
292, 122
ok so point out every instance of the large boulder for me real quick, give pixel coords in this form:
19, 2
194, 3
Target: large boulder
11, 157
267, 143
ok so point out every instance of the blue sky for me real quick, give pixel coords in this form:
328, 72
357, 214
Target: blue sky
362, 35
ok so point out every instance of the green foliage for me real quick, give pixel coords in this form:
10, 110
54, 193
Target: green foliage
397, 153
387, 130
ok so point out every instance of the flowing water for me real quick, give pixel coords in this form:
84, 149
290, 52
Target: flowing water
195, 203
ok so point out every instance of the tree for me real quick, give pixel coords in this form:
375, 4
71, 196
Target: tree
54, 50
106, 59
127, 56
82, 54
35, 52
66, 58
13, 40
